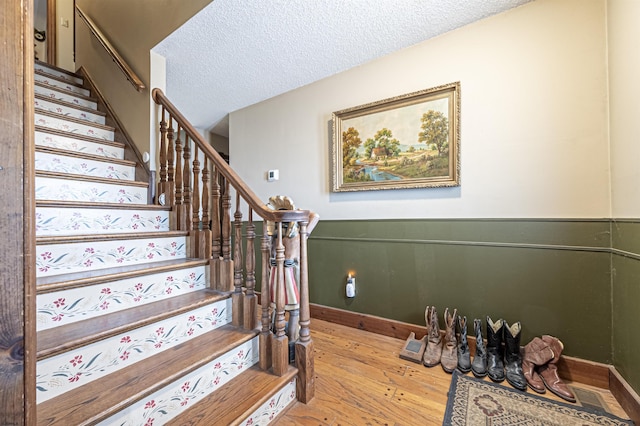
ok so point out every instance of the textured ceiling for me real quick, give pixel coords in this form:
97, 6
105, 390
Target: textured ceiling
236, 53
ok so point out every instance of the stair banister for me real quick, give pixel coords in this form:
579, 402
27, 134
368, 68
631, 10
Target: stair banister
234, 270
111, 51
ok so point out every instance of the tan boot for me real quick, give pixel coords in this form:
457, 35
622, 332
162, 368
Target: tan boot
549, 371
434, 341
536, 353
449, 359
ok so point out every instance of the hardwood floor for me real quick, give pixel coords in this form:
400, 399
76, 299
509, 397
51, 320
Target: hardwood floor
361, 380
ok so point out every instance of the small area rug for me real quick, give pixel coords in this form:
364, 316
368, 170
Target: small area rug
475, 402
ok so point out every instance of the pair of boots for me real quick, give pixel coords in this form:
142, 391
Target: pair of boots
495, 360
440, 349
539, 363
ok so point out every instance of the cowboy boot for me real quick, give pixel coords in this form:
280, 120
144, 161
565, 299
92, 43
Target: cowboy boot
464, 357
549, 371
449, 359
495, 366
535, 354
479, 365
433, 352
512, 357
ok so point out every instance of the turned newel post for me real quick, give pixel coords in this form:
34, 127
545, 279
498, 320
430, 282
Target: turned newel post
280, 341
304, 345
163, 157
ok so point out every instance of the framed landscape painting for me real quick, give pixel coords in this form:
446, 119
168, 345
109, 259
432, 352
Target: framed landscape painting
409, 141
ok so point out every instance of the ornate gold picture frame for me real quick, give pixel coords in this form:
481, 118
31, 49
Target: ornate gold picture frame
409, 141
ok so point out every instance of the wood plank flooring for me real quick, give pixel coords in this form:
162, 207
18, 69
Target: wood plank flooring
361, 380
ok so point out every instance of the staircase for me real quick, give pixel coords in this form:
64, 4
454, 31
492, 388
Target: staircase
130, 327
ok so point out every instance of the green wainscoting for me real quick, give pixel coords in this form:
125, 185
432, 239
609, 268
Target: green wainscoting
626, 300
554, 276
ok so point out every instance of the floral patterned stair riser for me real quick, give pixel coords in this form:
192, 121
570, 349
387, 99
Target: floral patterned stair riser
50, 92
160, 407
274, 406
64, 190
52, 221
58, 74
77, 304
69, 111
84, 167
78, 145
43, 79
64, 372
66, 258
74, 128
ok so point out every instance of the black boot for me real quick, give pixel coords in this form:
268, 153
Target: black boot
464, 357
494, 350
479, 365
512, 357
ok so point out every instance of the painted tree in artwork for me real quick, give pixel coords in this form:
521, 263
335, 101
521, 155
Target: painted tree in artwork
385, 141
350, 143
435, 131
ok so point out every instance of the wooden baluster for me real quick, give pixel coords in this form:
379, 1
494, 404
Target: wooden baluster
216, 234
280, 341
226, 265
186, 186
196, 226
265, 300
178, 182
170, 187
250, 308
163, 158
304, 345
237, 296
206, 208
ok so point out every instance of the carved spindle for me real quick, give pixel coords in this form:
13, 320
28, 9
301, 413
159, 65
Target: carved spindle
205, 196
196, 227
236, 297
163, 156
178, 176
206, 207
226, 264
170, 187
265, 299
216, 232
280, 341
250, 309
304, 346
186, 184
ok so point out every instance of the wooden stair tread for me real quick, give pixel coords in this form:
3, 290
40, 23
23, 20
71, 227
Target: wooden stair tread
105, 237
67, 92
234, 401
115, 144
70, 176
73, 119
60, 79
76, 154
86, 278
100, 205
70, 105
104, 397
54, 67
64, 338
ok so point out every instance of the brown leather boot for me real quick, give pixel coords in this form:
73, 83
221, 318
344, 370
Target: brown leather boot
449, 359
536, 353
549, 371
433, 352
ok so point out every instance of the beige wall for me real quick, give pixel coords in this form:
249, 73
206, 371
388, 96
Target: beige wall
624, 67
133, 27
534, 126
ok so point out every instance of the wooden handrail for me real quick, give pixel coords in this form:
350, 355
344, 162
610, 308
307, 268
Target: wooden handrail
111, 51
236, 182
